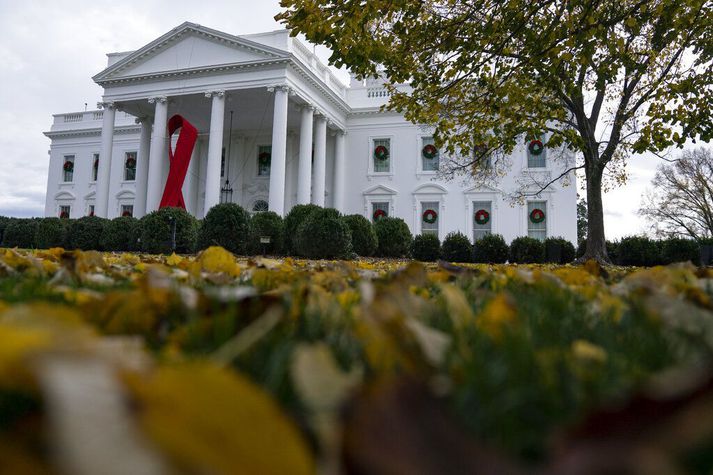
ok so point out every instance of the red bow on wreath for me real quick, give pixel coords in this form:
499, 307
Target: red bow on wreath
378, 214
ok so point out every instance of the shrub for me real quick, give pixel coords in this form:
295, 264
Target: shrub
20, 232
680, 250
85, 233
4, 221
638, 251
51, 232
120, 234
426, 247
293, 220
266, 224
323, 235
558, 250
491, 249
364, 241
706, 245
527, 250
393, 236
156, 231
226, 225
456, 247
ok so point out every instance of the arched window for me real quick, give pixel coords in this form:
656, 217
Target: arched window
259, 206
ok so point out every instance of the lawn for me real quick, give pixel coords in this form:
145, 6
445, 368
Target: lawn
120, 363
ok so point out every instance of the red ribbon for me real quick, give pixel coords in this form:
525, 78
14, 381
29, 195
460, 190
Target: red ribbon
172, 194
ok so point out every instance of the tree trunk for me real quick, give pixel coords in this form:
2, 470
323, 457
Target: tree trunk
596, 242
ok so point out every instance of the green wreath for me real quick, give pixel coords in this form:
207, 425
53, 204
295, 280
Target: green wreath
378, 214
536, 147
68, 166
429, 151
381, 152
537, 215
482, 217
430, 216
264, 158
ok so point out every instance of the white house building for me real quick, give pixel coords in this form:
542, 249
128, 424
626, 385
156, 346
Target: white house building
282, 130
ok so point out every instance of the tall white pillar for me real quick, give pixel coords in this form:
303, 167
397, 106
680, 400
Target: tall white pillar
142, 166
215, 150
276, 200
339, 170
157, 153
104, 172
304, 172
320, 160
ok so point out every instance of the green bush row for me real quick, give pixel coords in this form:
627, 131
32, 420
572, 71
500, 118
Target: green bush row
492, 249
644, 251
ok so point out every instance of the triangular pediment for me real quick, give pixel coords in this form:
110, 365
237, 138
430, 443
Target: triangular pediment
481, 189
430, 189
186, 48
380, 190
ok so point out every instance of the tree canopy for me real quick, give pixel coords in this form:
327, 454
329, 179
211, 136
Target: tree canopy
602, 78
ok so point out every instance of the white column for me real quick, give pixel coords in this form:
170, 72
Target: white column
279, 151
320, 160
104, 172
339, 171
157, 154
304, 172
142, 166
215, 149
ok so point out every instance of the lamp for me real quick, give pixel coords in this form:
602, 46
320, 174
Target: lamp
226, 191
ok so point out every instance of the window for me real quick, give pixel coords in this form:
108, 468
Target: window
379, 210
95, 166
429, 217
536, 154
91, 210
68, 168
260, 206
482, 219
430, 156
264, 159
130, 166
64, 211
381, 155
127, 210
537, 219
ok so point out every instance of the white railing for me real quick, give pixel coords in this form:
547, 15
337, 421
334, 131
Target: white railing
97, 115
312, 61
73, 117
377, 92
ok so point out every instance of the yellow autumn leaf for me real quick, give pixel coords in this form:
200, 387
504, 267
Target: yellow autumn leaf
173, 260
584, 350
213, 420
496, 315
218, 260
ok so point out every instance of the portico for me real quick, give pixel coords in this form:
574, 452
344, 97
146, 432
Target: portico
285, 96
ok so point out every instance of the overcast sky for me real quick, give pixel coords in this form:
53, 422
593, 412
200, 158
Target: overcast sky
49, 50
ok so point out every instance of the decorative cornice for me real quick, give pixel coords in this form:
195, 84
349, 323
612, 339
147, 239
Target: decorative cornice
119, 130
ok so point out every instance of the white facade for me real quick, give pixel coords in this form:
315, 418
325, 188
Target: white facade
320, 136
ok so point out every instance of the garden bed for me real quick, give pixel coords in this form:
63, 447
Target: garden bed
212, 363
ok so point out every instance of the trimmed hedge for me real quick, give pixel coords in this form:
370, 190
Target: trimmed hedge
293, 220
638, 251
20, 232
456, 247
156, 231
680, 250
266, 224
426, 247
394, 237
226, 225
558, 250
323, 235
491, 249
364, 242
85, 233
527, 250
51, 232
121, 234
